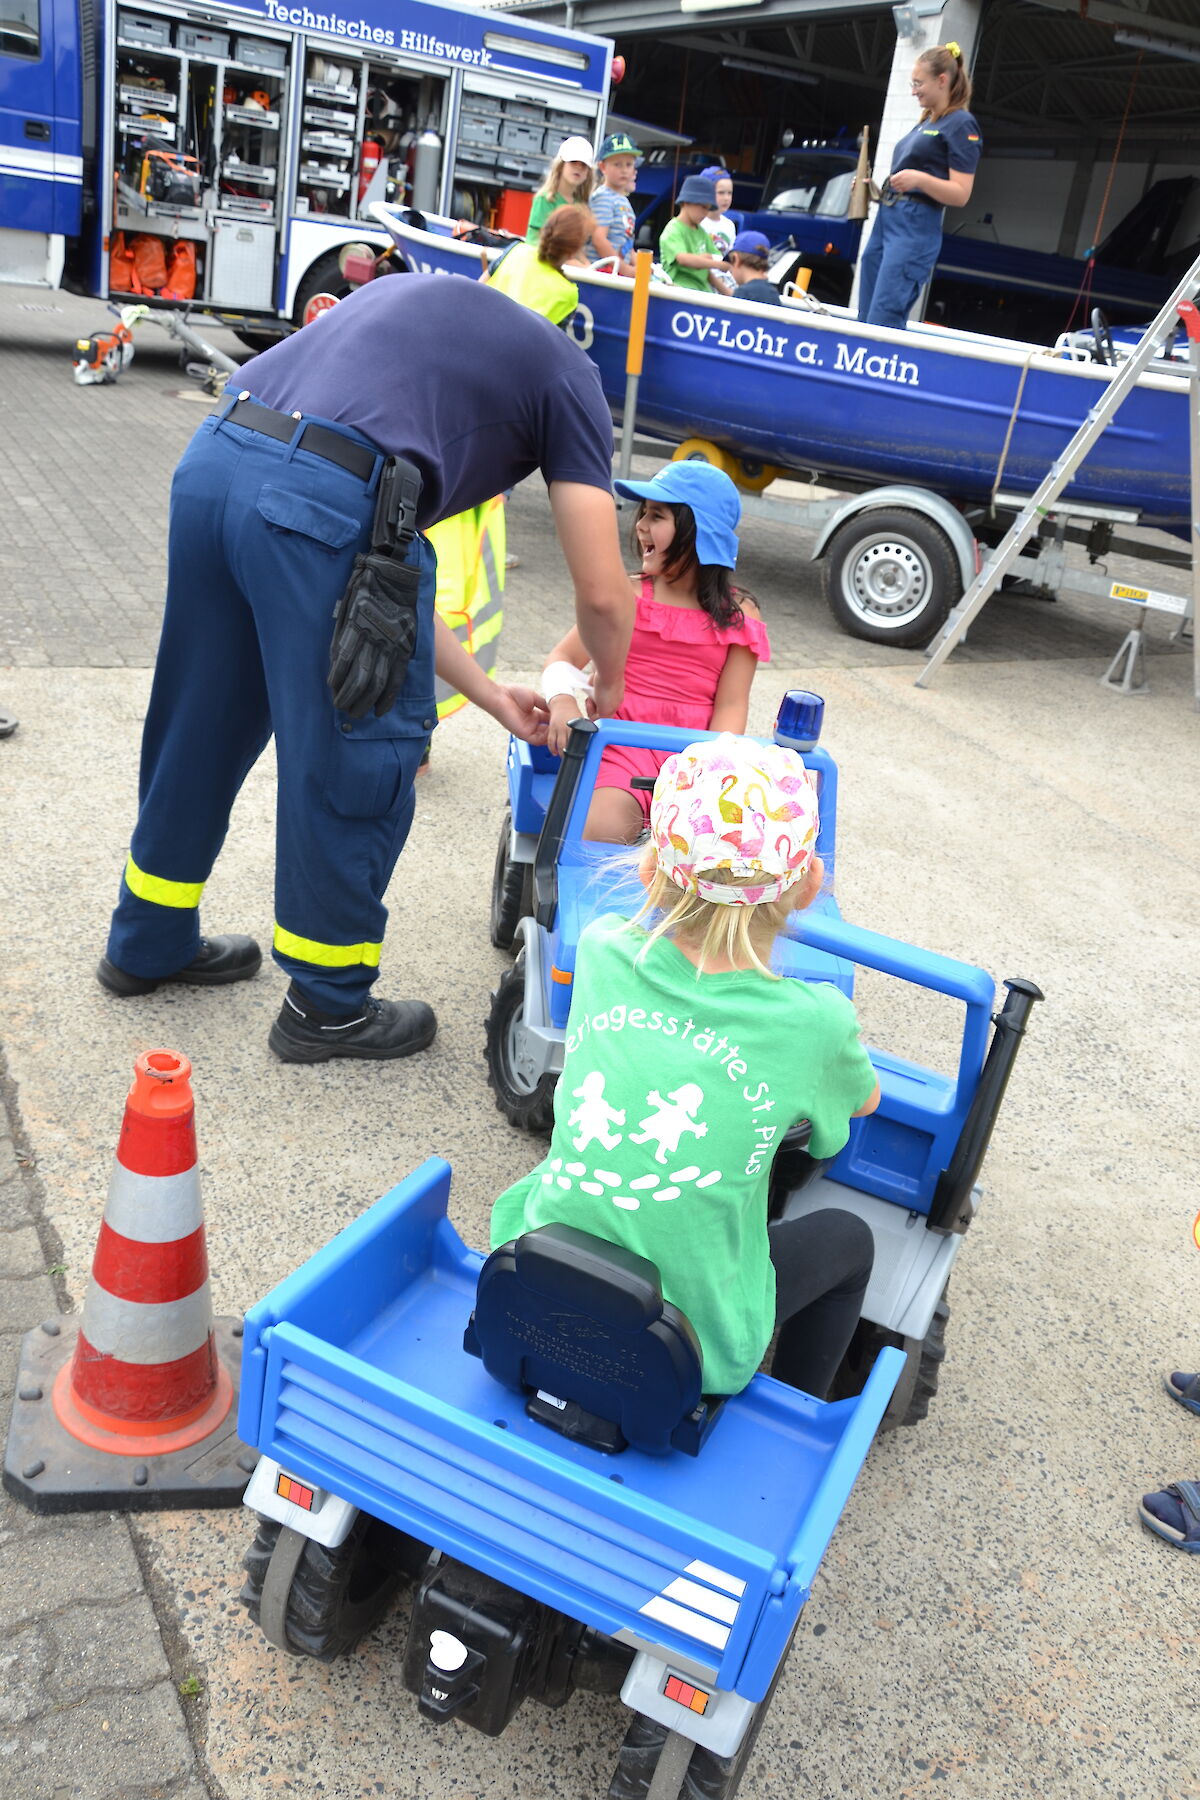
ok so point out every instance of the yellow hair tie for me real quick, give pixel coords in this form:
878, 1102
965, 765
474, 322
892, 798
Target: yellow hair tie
953, 49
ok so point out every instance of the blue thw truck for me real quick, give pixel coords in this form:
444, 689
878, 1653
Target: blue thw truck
257, 135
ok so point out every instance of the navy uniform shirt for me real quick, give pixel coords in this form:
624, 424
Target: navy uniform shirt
759, 289
939, 145
475, 390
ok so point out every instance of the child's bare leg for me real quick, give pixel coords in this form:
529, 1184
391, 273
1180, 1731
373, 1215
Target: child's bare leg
614, 817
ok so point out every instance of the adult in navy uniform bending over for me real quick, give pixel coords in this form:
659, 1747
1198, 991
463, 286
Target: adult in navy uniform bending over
275, 498
932, 168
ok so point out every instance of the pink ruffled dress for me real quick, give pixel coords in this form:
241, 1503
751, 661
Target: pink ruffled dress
676, 656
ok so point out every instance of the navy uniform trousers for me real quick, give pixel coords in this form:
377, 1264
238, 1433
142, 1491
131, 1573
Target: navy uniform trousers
262, 538
898, 261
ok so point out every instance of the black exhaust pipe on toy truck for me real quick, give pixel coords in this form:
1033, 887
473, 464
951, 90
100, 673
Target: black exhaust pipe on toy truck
950, 1210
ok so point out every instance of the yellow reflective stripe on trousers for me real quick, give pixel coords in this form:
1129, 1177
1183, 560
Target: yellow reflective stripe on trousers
326, 956
184, 894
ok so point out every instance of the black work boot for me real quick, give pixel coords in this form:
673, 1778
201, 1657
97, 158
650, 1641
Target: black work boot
378, 1032
218, 961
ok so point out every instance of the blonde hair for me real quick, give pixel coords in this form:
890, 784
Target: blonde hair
549, 187
741, 935
947, 59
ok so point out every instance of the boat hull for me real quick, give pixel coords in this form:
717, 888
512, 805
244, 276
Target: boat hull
819, 392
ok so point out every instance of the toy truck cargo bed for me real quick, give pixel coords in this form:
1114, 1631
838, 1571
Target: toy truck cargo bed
354, 1379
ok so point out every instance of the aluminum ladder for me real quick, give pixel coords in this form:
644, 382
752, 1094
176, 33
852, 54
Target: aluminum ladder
1181, 305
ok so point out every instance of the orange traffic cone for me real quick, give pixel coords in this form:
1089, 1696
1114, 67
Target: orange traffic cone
134, 1408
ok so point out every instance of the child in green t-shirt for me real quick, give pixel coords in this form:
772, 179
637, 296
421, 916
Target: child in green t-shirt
687, 1060
688, 255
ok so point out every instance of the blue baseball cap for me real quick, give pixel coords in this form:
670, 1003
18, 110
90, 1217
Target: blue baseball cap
618, 143
716, 173
697, 192
751, 243
713, 498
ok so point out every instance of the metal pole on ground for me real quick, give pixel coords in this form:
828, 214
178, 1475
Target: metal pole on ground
1066, 465
639, 307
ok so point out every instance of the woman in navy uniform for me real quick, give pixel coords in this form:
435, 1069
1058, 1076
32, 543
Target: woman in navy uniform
932, 168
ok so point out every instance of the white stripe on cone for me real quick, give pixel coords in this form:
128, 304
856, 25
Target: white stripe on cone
141, 1331
154, 1209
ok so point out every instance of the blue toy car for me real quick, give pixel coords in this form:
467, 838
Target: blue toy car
525, 1437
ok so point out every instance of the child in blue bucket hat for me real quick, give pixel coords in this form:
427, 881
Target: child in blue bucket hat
688, 255
697, 639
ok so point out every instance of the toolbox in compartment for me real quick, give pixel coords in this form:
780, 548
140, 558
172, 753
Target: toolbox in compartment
138, 28
524, 109
327, 143
199, 42
517, 135
325, 115
256, 53
153, 100
477, 128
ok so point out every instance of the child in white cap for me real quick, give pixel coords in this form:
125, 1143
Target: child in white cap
569, 183
686, 1062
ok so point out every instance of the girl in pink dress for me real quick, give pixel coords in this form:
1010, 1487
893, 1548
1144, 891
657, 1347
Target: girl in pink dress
697, 639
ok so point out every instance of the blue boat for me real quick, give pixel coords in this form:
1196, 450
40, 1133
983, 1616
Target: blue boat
791, 388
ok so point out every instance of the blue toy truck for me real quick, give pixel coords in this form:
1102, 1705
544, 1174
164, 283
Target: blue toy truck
525, 1438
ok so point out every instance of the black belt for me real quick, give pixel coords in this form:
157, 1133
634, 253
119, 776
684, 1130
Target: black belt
317, 439
890, 198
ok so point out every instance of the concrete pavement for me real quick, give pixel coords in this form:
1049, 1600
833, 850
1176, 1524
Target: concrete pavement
989, 1616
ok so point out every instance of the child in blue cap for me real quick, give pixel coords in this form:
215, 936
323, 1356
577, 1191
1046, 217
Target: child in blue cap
697, 639
685, 250
612, 210
720, 224
748, 264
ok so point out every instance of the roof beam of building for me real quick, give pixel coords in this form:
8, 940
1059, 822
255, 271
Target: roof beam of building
637, 18
1111, 12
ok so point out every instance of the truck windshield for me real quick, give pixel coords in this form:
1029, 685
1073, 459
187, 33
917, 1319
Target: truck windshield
806, 184
20, 33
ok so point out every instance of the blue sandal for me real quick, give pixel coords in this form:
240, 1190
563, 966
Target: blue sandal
1174, 1514
1184, 1388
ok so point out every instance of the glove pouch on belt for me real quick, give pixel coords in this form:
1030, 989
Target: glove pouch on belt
374, 634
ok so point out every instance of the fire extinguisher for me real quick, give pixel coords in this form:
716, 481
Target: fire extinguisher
372, 155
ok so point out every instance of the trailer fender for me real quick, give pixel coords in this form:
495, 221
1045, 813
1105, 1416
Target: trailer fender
933, 506
317, 1514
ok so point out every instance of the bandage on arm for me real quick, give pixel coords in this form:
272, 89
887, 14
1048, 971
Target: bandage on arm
563, 678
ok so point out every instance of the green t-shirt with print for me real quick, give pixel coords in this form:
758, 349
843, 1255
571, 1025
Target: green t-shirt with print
669, 1109
691, 240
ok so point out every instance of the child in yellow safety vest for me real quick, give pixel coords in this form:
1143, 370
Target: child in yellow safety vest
532, 274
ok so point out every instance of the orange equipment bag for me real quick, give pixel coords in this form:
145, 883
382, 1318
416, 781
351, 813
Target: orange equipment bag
181, 272
121, 277
149, 263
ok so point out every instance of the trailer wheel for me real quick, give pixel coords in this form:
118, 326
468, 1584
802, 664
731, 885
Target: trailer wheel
701, 450
919, 1380
891, 576
705, 1776
330, 1598
325, 277
512, 891
524, 1094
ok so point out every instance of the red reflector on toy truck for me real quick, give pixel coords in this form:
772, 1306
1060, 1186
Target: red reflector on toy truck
288, 1488
686, 1693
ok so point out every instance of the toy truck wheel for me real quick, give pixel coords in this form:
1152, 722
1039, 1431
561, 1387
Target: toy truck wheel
919, 1382
512, 891
705, 1776
334, 1597
523, 1094
891, 576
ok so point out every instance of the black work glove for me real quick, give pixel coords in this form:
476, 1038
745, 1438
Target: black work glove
374, 634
